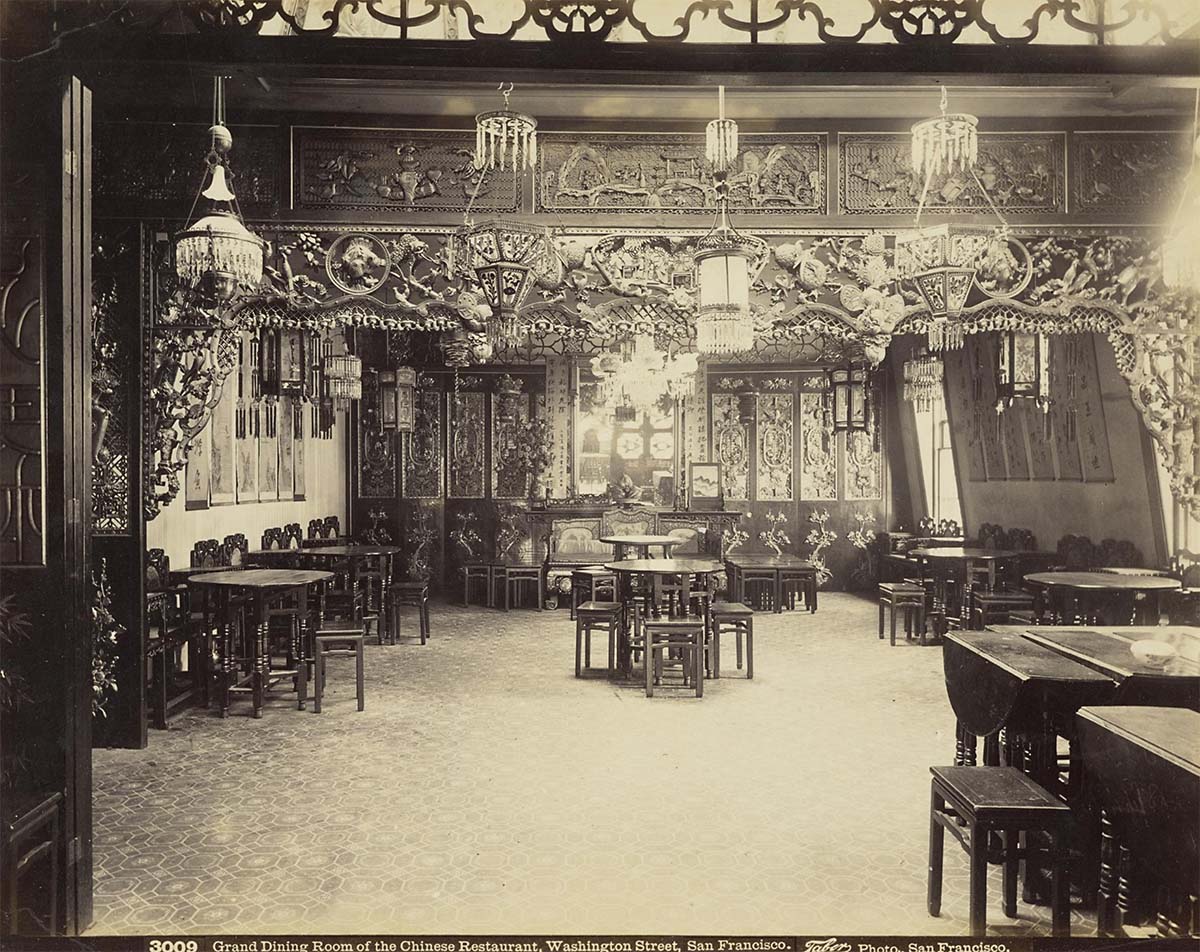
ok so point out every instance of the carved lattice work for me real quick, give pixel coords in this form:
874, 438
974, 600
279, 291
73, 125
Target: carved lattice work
731, 445
423, 466
818, 462
22, 446
864, 467
465, 456
775, 451
908, 22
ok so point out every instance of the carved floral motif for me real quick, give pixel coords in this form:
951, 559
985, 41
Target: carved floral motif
653, 172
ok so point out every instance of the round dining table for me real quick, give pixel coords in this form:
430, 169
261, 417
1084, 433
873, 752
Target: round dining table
641, 544
658, 570
1079, 594
262, 586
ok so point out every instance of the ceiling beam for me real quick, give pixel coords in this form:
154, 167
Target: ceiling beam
318, 57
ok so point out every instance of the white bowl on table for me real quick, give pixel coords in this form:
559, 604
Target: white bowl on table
1153, 653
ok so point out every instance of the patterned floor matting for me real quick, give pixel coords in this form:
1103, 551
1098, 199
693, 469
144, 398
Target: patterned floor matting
487, 790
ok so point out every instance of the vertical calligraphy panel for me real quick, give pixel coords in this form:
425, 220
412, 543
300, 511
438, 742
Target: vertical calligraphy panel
300, 491
775, 445
1093, 431
287, 459
1041, 444
223, 490
196, 477
1012, 429
558, 409
1066, 444
268, 454
731, 446
982, 357
818, 460
960, 409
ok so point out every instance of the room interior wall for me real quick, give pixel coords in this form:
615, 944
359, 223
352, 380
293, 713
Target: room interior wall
176, 528
1128, 507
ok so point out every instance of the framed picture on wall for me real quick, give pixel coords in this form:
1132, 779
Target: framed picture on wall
704, 485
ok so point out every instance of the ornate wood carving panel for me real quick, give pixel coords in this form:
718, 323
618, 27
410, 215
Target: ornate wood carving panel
423, 468
403, 169
818, 447
864, 467
467, 440
140, 163
731, 445
778, 173
510, 479
1126, 171
775, 447
22, 440
1023, 172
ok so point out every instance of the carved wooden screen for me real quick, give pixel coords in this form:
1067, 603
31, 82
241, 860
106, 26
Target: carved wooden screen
466, 458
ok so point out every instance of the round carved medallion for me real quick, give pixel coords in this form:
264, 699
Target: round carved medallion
358, 264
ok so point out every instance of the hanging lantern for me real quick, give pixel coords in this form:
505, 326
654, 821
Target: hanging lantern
941, 262
505, 138
1023, 370
923, 381
504, 258
397, 398
851, 389
726, 261
217, 254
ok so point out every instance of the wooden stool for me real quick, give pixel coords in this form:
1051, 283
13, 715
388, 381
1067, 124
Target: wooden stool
997, 607
794, 581
517, 577
338, 641
758, 586
409, 593
663, 635
478, 572
736, 619
975, 802
590, 616
592, 582
902, 597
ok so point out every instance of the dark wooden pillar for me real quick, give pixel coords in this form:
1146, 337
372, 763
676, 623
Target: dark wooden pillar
45, 475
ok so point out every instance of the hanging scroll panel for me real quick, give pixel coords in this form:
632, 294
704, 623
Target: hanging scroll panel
467, 436
731, 446
775, 446
818, 461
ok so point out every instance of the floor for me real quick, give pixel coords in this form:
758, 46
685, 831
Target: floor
487, 790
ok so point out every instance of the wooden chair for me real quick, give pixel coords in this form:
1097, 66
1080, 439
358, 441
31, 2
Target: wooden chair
592, 616
236, 548
273, 538
588, 584
207, 553
973, 803
170, 628
799, 581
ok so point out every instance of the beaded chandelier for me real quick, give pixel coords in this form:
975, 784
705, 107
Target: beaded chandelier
923, 380
217, 254
505, 137
724, 257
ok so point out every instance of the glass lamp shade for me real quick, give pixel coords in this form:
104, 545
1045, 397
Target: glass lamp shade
503, 137
220, 251
724, 324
